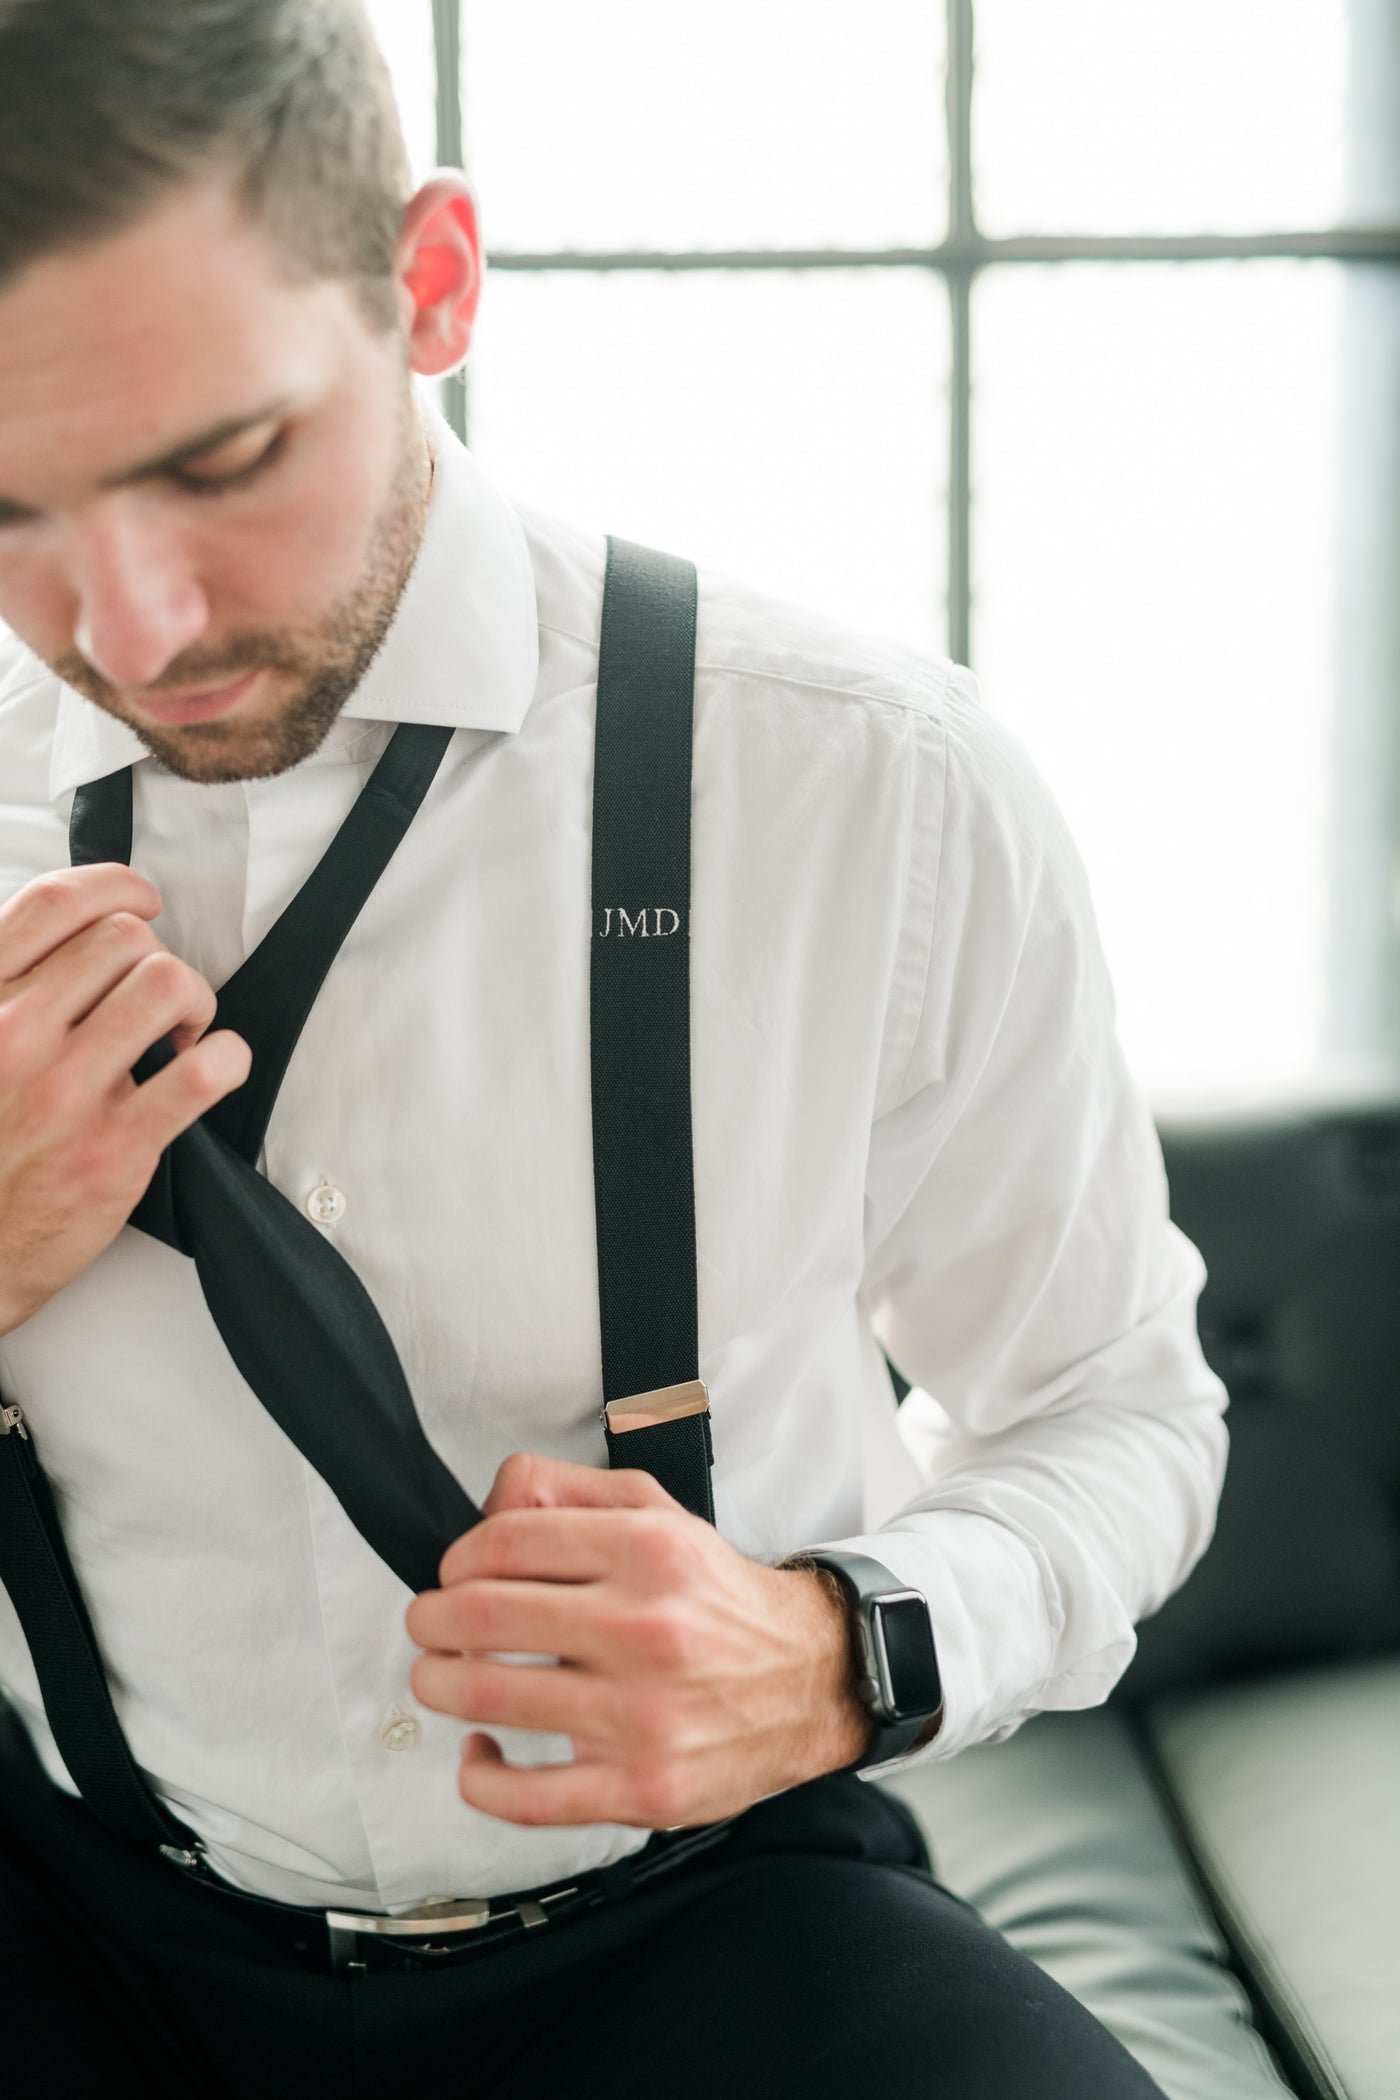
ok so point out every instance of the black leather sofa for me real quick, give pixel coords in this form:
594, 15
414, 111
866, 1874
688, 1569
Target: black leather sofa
1212, 1862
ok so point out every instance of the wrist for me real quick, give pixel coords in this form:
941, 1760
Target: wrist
838, 1725
894, 1657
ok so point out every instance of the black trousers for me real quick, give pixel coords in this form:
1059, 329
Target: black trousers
809, 1956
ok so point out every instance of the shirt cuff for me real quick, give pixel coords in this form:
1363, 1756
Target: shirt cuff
996, 1622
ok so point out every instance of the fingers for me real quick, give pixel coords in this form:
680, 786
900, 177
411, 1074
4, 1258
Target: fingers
185, 1089
69, 984
159, 994
104, 987
559, 1701
600, 1792
511, 1618
550, 1545
53, 908
527, 1481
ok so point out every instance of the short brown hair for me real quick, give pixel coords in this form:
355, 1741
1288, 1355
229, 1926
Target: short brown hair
105, 105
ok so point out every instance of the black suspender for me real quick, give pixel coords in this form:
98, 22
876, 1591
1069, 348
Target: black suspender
657, 1412
266, 1269
38, 1574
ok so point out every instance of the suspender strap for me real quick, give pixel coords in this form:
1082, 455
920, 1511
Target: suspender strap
36, 1570
643, 1176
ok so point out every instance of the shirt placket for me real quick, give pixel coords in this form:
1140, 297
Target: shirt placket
388, 1739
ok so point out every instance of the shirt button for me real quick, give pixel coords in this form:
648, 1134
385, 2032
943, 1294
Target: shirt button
399, 1731
325, 1205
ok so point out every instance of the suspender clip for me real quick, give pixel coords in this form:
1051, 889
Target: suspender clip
669, 1403
192, 1860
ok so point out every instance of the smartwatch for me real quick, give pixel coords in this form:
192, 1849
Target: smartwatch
893, 1649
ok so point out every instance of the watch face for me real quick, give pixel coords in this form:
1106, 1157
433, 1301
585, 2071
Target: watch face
905, 1638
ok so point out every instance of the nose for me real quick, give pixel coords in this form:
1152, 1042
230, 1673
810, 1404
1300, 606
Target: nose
139, 603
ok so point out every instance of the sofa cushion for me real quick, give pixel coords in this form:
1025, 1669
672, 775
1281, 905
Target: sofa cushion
1298, 1218
1288, 1790
1059, 1839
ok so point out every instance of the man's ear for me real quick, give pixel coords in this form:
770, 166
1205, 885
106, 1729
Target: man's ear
440, 270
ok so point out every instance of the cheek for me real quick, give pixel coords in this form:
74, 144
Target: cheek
37, 602
290, 558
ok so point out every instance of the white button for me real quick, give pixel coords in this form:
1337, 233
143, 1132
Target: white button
326, 1205
400, 1731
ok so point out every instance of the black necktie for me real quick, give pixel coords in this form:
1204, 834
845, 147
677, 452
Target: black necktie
296, 1320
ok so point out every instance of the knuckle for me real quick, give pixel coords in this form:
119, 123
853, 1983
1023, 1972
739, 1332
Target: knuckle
124, 937
665, 1544
162, 975
126, 933
18, 1034
658, 1637
485, 1692
49, 895
518, 1474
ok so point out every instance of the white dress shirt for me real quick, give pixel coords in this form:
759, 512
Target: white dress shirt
913, 1128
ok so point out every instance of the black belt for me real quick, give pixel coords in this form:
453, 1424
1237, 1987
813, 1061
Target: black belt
441, 1934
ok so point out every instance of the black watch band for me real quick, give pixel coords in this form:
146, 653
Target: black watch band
892, 1644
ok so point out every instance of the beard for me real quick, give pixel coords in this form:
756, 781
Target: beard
323, 663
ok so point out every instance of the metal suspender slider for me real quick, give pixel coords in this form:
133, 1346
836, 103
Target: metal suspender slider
669, 1404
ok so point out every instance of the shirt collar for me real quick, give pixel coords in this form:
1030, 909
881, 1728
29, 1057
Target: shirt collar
463, 650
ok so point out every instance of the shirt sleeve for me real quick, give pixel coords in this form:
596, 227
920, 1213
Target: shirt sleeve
1022, 1270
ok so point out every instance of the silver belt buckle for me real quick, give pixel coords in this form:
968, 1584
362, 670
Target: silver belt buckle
461, 1914
433, 1922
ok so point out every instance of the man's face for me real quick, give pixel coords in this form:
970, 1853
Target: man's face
213, 482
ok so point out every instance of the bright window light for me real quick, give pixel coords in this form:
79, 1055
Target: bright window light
1148, 116
787, 426
404, 29
742, 123
1155, 603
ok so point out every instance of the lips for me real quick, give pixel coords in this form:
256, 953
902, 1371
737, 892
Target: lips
175, 708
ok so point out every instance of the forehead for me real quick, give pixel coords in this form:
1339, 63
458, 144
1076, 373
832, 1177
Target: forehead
111, 350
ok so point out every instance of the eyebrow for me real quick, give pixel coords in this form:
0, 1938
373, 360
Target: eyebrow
170, 461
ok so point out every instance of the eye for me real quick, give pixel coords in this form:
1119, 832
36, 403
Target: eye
233, 465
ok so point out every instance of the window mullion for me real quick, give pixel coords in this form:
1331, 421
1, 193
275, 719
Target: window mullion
447, 51
961, 237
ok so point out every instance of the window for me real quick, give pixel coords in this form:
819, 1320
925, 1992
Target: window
1056, 334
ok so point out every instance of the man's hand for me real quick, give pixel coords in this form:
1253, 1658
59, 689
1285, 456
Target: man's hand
691, 1680
85, 988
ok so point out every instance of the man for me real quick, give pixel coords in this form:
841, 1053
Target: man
235, 552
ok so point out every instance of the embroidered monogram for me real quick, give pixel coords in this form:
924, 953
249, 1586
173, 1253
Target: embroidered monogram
637, 922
